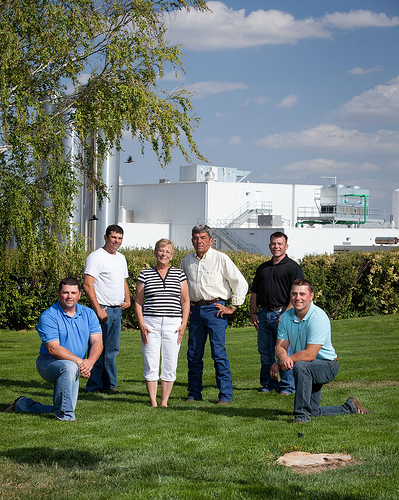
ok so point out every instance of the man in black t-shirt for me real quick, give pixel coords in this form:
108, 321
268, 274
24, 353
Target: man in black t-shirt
269, 299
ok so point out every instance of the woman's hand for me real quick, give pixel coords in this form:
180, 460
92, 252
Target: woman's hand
180, 331
144, 330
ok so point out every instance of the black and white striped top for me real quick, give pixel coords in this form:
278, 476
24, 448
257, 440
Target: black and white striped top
162, 296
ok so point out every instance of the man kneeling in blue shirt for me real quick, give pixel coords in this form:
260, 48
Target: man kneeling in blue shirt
306, 328
65, 328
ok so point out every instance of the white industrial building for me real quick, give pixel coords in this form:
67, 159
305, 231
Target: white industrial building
317, 219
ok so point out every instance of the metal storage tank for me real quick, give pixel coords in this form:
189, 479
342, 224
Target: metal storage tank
96, 220
72, 150
126, 215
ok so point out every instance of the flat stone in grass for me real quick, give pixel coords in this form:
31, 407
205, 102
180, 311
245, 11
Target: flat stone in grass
314, 462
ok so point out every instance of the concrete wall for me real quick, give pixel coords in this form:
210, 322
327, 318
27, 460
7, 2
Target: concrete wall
184, 204
177, 207
143, 235
319, 240
181, 205
316, 240
225, 198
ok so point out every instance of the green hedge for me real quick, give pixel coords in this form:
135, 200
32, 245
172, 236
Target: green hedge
355, 284
346, 285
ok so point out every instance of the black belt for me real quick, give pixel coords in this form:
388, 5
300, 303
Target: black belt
272, 308
204, 302
103, 305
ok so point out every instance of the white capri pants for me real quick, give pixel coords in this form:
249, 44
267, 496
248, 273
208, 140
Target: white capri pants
162, 340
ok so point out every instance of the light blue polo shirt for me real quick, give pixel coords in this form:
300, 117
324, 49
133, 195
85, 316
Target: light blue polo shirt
72, 332
315, 328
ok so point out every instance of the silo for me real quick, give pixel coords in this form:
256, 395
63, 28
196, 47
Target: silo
109, 213
395, 207
96, 220
72, 151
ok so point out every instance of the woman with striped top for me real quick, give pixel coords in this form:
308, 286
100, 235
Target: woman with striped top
162, 307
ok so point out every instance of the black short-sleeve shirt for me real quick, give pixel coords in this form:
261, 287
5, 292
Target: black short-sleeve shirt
272, 282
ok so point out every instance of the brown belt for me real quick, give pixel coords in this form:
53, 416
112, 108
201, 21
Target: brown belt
204, 302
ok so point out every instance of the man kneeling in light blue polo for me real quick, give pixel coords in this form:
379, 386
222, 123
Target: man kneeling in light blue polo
306, 328
65, 328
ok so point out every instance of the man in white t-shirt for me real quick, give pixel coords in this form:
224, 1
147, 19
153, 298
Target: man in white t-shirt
108, 293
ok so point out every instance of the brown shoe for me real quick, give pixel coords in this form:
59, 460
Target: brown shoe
223, 402
358, 406
11, 408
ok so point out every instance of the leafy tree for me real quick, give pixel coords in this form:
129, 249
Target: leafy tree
79, 66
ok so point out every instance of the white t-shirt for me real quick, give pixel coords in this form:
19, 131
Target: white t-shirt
109, 272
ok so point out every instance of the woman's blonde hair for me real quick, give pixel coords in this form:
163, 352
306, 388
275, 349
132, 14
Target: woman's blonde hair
162, 243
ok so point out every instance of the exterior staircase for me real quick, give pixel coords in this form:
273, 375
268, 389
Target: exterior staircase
230, 241
245, 212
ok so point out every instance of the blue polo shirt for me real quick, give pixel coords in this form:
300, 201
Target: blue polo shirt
73, 332
315, 328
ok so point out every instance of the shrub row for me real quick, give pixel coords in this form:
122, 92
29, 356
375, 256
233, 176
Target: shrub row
355, 284
346, 285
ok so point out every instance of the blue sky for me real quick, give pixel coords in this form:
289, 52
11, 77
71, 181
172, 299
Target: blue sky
290, 90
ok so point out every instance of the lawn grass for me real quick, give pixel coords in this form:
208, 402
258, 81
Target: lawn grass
121, 448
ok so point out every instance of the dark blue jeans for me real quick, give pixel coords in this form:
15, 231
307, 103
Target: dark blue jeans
310, 376
25, 404
267, 337
203, 322
104, 375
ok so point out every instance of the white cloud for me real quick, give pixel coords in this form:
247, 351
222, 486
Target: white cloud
334, 138
361, 71
288, 102
260, 101
381, 102
360, 19
212, 141
235, 140
326, 166
222, 114
223, 28
172, 76
203, 89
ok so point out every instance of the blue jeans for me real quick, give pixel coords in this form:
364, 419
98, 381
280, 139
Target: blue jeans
25, 404
203, 321
103, 375
267, 337
64, 374
310, 376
